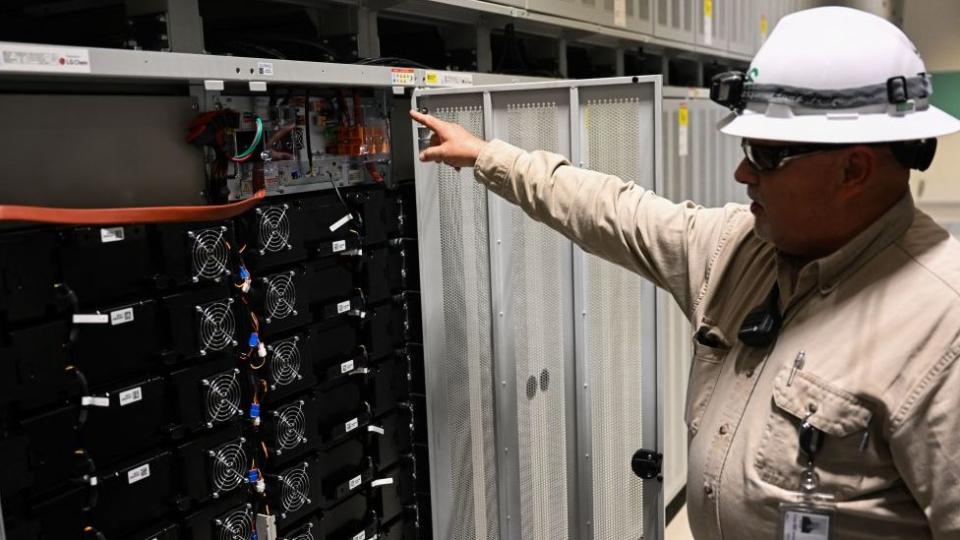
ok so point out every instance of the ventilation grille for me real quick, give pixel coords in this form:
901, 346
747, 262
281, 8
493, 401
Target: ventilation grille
228, 463
209, 254
235, 525
273, 228
291, 427
222, 397
295, 492
613, 335
538, 258
285, 362
469, 367
216, 325
281, 296
303, 534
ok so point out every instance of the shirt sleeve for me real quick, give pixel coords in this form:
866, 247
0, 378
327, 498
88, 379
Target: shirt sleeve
672, 245
925, 446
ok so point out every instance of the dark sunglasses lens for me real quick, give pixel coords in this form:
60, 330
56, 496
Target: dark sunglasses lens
764, 158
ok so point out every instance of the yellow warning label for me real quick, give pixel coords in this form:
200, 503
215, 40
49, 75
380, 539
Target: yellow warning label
432, 77
708, 8
684, 116
763, 25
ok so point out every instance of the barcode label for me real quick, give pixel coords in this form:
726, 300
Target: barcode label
138, 474
351, 425
339, 246
346, 367
355, 482
121, 316
131, 396
343, 307
111, 234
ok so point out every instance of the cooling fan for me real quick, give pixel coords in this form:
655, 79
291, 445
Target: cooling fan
295, 490
306, 533
228, 464
217, 325
281, 296
209, 254
236, 525
291, 427
285, 362
222, 396
273, 228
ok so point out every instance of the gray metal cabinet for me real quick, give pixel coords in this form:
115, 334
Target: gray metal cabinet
674, 19
712, 23
540, 358
627, 14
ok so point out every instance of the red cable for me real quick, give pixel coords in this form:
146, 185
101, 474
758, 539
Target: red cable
107, 216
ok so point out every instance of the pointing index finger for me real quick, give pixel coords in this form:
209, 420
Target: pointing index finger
425, 119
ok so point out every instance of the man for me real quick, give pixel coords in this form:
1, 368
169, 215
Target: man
824, 397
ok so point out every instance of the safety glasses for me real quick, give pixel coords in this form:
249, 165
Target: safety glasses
765, 157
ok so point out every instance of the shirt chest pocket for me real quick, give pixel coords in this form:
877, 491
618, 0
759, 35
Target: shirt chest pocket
704, 373
844, 459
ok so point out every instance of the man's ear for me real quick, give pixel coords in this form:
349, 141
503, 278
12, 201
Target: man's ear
858, 166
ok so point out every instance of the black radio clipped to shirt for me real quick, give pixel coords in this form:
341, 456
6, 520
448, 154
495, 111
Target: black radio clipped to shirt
761, 326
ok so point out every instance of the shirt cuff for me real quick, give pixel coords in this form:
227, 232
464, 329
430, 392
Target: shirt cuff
495, 163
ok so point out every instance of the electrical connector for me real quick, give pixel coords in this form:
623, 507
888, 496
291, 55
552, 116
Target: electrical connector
262, 350
255, 413
254, 340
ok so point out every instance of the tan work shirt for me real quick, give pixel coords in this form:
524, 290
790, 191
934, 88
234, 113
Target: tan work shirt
877, 323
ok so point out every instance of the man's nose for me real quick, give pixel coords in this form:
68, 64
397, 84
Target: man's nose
745, 173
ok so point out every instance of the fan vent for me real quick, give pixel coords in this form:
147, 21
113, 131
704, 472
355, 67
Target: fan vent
291, 427
217, 325
304, 534
273, 229
295, 492
285, 362
209, 254
281, 297
228, 465
222, 397
236, 525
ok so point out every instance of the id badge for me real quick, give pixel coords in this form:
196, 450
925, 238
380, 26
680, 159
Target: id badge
807, 521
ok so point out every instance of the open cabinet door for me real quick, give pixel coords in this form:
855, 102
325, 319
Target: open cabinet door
541, 365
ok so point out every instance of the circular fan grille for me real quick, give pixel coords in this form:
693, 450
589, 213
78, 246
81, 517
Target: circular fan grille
285, 362
237, 525
303, 535
209, 253
217, 326
223, 397
296, 489
274, 228
290, 427
281, 296
228, 466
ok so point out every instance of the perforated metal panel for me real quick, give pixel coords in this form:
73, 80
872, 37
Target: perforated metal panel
549, 408
456, 298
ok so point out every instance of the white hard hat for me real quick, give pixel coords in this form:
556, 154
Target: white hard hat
833, 75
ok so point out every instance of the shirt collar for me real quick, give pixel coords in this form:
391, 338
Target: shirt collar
828, 271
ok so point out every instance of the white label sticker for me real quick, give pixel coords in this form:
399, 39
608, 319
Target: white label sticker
339, 246
121, 316
402, 77
683, 128
619, 13
346, 367
341, 222
343, 307
351, 425
132, 395
138, 474
265, 69
34, 58
381, 482
91, 318
398, 90
95, 401
360, 536
355, 482
111, 234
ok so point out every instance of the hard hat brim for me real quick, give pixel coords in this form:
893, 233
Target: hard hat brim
820, 128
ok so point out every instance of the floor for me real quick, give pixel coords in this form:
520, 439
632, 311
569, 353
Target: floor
679, 529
